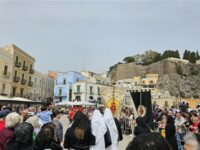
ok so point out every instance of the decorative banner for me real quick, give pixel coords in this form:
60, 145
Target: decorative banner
115, 104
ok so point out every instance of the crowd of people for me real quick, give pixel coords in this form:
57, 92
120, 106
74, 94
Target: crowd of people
40, 129
96, 129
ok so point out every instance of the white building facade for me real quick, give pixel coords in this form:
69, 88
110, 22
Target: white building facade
42, 88
90, 88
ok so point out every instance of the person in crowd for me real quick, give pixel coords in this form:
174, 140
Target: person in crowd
195, 123
7, 133
162, 125
3, 114
23, 115
99, 129
141, 127
71, 114
149, 141
34, 121
78, 135
44, 115
22, 139
59, 126
191, 142
46, 139
110, 122
170, 131
180, 124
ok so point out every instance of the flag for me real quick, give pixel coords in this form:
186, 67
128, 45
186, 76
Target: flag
142, 101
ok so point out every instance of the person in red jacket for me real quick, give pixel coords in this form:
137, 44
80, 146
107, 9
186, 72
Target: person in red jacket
3, 114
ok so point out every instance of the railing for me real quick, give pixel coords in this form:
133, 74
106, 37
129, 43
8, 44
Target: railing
31, 71
77, 92
25, 68
17, 64
30, 83
6, 75
16, 79
3, 92
23, 81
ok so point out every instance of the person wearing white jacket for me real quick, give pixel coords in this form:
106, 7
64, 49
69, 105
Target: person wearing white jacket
110, 122
99, 129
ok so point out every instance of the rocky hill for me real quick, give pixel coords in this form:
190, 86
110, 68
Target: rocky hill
177, 76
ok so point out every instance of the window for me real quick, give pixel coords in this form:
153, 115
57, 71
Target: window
78, 87
21, 92
22, 76
3, 87
24, 63
17, 58
15, 73
13, 91
35, 80
31, 66
98, 90
30, 79
60, 92
64, 81
5, 70
78, 98
91, 88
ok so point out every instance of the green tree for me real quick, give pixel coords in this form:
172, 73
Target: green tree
129, 59
186, 55
192, 58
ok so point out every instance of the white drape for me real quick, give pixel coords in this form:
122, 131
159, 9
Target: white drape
98, 130
110, 122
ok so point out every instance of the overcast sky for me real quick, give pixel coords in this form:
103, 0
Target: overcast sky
93, 35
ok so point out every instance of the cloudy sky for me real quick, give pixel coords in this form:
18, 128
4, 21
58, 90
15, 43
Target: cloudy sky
93, 35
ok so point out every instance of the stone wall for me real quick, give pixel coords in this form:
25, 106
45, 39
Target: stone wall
129, 70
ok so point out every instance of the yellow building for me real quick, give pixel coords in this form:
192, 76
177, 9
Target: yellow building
5, 72
22, 71
150, 81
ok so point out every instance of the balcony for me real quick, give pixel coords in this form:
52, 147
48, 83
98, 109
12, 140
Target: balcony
23, 81
77, 92
3, 92
17, 64
16, 79
31, 71
30, 83
6, 75
25, 68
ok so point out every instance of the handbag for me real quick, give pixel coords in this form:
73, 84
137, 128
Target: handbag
107, 138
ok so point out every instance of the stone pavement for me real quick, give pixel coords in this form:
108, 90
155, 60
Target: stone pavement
123, 144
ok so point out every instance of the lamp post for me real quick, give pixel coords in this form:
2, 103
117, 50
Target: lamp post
113, 106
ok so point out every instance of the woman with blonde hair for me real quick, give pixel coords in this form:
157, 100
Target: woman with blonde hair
7, 133
34, 121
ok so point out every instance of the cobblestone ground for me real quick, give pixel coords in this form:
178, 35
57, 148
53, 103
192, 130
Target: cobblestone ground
123, 144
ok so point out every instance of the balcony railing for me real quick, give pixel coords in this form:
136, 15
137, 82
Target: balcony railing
31, 71
30, 83
25, 68
6, 75
16, 79
77, 92
2, 92
23, 81
17, 64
